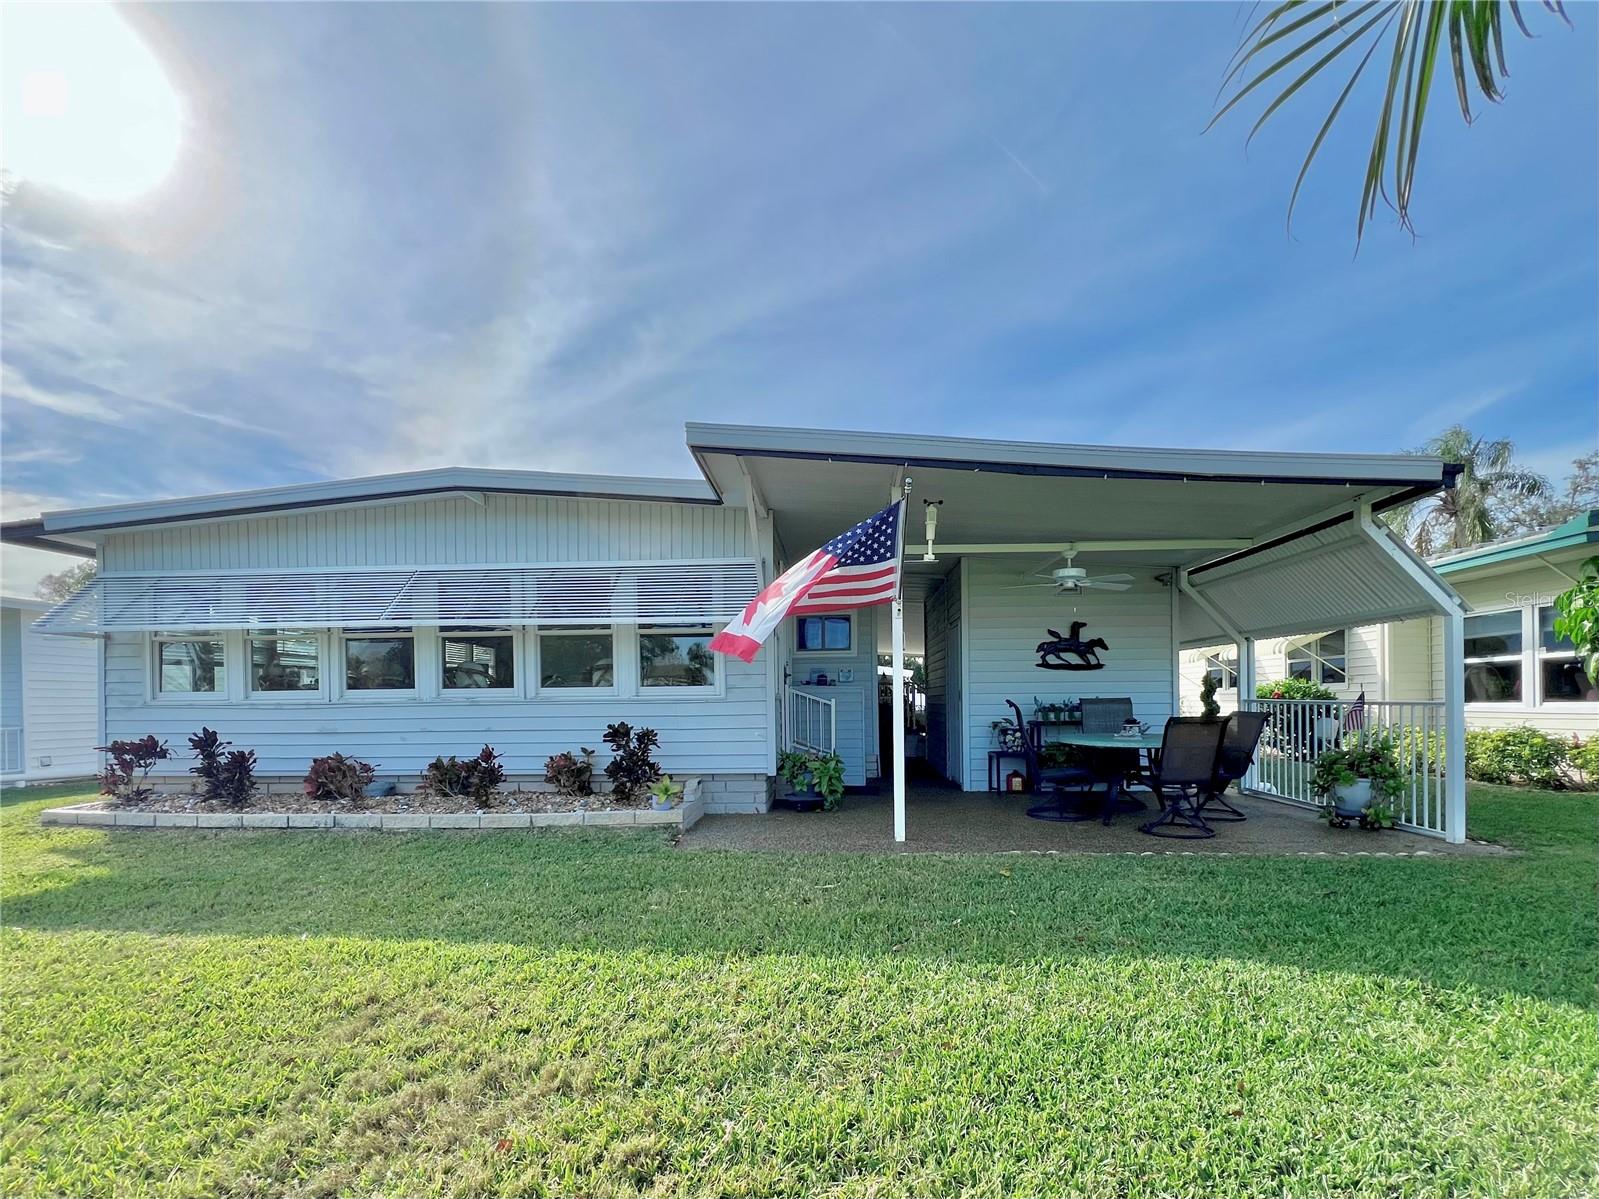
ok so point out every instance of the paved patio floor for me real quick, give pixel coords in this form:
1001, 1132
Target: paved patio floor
947, 821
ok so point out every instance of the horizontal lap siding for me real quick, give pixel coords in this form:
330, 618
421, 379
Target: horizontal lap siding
504, 528
1003, 627
61, 720
698, 735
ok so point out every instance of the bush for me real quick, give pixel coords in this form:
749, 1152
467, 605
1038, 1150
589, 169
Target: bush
476, 778
130, 759
632, 770
339, 779
570, 774
1521, 754
226, 776
1292, 689
1583, 757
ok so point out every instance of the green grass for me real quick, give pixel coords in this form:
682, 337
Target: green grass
567, 1014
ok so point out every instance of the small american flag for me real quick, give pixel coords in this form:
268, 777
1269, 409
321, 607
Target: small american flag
1355, 715
857, 569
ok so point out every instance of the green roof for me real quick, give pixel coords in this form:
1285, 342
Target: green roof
1581, 530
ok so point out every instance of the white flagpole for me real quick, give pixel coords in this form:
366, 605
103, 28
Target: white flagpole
898, 678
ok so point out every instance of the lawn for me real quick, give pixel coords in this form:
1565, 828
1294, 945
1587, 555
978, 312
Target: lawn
600, 1014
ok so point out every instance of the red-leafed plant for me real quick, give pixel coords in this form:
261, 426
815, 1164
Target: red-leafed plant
226, 776
474, 778
124, 777
339, 779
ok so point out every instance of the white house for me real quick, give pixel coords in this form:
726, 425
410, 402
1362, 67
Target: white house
49, 699
1516, 670
409, 615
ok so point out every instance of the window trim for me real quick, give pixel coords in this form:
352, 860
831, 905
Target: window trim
248, 694
519, 685
1539, 657
1219, 662
1524, 704
344, 692
825, 653
642, 691
152, 656
1310, 652
535, 676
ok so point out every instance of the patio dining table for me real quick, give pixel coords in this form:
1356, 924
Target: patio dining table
1115, 777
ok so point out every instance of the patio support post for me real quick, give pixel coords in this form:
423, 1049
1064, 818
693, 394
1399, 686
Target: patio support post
897, 678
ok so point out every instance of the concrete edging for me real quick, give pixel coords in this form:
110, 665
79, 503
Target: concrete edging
685, 816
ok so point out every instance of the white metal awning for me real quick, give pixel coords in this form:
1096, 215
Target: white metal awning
591, 593
1351, 573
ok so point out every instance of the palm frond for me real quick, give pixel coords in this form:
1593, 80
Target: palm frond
1352, 31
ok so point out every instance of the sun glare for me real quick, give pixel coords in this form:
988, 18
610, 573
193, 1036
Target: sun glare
88, 108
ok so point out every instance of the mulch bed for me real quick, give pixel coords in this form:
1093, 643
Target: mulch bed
505, 801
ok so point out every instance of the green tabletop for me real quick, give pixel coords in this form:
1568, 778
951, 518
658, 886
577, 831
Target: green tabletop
1149, 740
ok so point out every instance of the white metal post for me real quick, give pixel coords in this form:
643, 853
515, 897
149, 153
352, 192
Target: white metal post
1246, 670
898, 685
1455, 726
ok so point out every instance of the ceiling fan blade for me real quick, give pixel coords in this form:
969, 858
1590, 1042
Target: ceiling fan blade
1024, 586
1111, 579
1101, 585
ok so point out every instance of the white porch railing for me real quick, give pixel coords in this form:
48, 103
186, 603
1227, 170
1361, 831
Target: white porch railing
1300, 729
10, 750
812, 722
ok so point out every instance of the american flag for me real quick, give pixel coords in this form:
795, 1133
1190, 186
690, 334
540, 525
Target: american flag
857, 569
1355, 714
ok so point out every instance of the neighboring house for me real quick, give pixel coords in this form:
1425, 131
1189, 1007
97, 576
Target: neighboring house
1516, 670
409, 615
49, 687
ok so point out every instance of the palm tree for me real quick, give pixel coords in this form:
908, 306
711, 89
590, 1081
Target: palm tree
1469, 513
1308, 35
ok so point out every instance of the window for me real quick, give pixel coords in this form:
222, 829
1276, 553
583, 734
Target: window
1323, 659
284, 660
1561, 676
577, 658
822, 634
190, 663
379, 660
1493, 658
676, 657
1224, 669
477, 659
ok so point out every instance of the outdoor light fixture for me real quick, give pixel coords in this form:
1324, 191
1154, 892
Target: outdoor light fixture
931, 508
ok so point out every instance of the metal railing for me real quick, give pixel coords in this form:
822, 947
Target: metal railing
10, 750
1300, 730
812, 722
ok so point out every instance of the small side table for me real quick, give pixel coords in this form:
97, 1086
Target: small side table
996, 766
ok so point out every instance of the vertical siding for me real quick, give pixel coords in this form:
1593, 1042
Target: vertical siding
1004, 625
445, 531
59, 687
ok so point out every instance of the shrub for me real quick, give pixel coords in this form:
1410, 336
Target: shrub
1583, 757
570, 774
1521, 754
1292, 689
339, 779
632, 770
1208, 706
475, 778
131, 762
226, 776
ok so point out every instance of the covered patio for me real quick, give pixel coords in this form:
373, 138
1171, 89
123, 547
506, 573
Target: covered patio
945, 820
1049, 573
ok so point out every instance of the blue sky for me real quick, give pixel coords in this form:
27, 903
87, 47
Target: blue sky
543, 237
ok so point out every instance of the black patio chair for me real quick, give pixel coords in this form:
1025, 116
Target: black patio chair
1185, 773
1106, 715
1062, 781
1238, 744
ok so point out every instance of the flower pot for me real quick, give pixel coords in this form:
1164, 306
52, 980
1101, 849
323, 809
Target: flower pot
1350, 801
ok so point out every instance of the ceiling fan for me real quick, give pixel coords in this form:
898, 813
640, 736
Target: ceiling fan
1073, 580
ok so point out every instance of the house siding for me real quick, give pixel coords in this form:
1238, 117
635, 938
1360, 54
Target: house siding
11, 668
1004, 624
444, 532
935, 640
60, 679
855, 702
728, 734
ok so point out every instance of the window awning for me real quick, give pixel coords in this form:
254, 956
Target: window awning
628, 593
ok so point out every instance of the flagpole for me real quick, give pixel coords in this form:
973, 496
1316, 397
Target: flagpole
897, 680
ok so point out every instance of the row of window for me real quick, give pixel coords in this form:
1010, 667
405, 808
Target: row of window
287, 662
1498, 661
1324, 660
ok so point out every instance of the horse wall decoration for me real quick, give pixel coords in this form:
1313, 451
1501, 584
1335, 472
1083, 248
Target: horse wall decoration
1071, 652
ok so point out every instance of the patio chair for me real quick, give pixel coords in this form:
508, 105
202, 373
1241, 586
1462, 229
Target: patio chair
1057, 779
1108, 716
1238, 741
1189, 753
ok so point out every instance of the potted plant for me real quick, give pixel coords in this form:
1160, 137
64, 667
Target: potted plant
1008, 733
815, 780
665, 794
1360, 781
